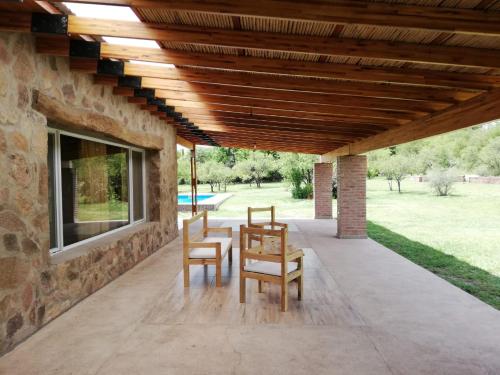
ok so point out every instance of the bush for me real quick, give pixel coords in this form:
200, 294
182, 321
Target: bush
299, 192
372, 172
334, 188
442, 180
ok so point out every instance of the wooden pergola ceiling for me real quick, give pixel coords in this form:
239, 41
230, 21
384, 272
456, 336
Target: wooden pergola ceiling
324, 77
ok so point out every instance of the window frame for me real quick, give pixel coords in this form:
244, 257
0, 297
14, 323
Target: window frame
57, 194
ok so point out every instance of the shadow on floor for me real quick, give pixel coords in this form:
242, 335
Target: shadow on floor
471, 279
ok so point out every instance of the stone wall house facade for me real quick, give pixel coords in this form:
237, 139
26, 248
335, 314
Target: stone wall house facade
35, 286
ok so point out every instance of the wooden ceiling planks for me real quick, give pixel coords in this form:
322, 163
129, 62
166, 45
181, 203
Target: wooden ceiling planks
468, 21
337, 75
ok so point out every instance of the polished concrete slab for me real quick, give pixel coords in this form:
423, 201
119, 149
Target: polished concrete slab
366, 310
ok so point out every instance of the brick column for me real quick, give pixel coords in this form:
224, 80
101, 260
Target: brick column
323, 174
351, 196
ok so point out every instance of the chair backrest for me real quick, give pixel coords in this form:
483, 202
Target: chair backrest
259, 252
186, 235
271, 211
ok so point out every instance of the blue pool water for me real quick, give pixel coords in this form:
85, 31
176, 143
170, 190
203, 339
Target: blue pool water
186, 198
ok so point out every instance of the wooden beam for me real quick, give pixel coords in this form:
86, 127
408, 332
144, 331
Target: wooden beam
277, 132
351, 124
303, 68
353, 132
172, 89
296, 83
15, 22
455, 20
277, 66
472, 112
226, 111
245, 95
184, 142
255, 105
218, 108
394, 51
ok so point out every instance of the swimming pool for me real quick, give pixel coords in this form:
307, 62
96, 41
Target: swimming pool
186, 198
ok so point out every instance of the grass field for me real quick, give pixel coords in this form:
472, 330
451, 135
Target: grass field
113, 210
456, 237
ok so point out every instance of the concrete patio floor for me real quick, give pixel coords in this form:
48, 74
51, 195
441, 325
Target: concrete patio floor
366, 311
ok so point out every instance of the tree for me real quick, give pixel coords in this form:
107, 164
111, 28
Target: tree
226, 176
297, 169
396, 168
490, 156
184, 169
209, 172
442, 180
459, 149
255, 168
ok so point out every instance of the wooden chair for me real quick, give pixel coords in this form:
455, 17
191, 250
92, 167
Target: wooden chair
271, 224
279, 264
201, 249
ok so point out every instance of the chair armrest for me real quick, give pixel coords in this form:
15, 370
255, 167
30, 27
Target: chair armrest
227, 230
296, 254
208, 245
278, 224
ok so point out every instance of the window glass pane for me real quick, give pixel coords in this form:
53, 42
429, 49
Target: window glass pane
94, 179
52, 190
137, 179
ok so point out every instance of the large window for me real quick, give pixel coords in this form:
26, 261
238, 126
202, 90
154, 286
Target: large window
95, 187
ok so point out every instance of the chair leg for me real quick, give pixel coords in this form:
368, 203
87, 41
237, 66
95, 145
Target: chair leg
284, 296
243, 289
300, 279
218, 276
260, 286
300, 286
186, 275
230, 255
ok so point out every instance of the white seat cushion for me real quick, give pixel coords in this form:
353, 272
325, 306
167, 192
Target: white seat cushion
269, 268
209, 253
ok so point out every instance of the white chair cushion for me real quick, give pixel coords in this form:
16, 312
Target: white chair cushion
269, 268
209, 253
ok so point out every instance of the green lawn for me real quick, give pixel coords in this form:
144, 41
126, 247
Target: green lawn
113, 210
456, 237
269, 194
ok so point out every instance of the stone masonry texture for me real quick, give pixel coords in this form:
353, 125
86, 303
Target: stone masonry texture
351, 200
323, 176
35, 287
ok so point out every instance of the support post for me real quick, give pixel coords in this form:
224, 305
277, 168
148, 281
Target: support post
351, 196
323, 176
194, 182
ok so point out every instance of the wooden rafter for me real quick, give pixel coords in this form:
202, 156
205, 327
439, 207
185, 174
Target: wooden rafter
339, 11
475, 111
394, 51
297, 83
302, 68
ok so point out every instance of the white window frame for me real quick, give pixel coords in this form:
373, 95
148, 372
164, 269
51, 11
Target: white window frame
58, 189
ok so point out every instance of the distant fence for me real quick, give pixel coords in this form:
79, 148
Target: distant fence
466, 178
484, 180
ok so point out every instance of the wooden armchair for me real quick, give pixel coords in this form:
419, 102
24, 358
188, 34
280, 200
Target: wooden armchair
271, 224
280, 263
201, 249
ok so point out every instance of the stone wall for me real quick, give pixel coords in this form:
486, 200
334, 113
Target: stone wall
35, 287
